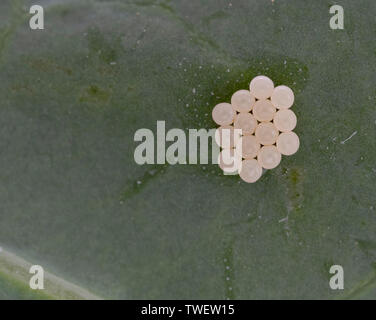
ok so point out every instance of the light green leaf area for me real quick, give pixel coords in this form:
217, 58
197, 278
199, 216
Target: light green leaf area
74, 201
11, 289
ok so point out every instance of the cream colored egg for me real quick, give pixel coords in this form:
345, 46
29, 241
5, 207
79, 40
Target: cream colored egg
247, 147
242, 101
266, 133
246, 122
229, 161
261, 87
285, 120
288, 143
226, 137
250, 171
282, 97
223, 114
269, 157
264, 110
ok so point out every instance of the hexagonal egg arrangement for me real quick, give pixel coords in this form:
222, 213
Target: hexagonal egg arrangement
256, 129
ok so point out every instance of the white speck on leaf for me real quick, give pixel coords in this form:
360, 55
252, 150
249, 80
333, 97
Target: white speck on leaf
353, 134
283, 219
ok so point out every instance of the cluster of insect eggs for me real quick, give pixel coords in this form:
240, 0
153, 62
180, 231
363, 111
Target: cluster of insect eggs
256, 129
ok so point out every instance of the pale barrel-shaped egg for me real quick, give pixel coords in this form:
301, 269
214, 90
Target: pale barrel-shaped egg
288, 143
242, 101
223, 114
250, 171
229, 161
246, 122
226, 136
247, 147
269, 157
282, 97
261, 87
266, 133
285, 120
264, 110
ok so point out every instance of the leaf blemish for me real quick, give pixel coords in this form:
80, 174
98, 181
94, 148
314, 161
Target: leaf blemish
294, 194
228, 261
138, 185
